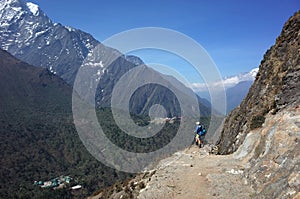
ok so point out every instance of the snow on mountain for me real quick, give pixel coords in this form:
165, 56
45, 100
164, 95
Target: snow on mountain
27, 33
254, 72
233, 80
235, 88
34, 9
227, 82
8, 11
52, 45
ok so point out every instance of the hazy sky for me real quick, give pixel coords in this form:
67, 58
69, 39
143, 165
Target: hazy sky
235, 33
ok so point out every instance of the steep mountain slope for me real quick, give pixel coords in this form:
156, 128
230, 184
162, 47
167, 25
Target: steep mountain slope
276, 87
22, 84
267, 121
236, 94
38, 140
31, 36
27, 33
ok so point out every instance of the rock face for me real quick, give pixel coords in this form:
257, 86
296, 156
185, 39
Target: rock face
31, 36
277, 86
265, 127
273, 165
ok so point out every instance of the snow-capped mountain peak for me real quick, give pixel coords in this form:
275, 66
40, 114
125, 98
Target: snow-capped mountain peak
12, 4
228, 82
23, 25
254, 72
236, 87
14, 11
34, 9
233, 80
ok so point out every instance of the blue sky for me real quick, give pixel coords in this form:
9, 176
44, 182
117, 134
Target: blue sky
235, 33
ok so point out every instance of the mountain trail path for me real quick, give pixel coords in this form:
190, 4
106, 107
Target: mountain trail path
194, 173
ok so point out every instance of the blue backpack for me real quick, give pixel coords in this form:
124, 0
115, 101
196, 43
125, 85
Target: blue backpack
203, 132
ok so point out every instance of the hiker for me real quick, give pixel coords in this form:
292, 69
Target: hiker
200, 134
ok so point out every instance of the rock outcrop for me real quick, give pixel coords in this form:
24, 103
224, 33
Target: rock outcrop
271, 156
265, 127
277, 86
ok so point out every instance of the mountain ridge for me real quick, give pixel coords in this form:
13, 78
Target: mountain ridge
271, 90
236, 87
44, 38
35, 39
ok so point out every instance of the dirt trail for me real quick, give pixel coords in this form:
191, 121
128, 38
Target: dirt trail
193, 173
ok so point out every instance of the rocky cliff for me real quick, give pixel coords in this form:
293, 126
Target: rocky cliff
276, 87
269, 118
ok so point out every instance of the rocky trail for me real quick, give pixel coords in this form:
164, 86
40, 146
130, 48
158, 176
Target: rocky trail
194, 173
191, 173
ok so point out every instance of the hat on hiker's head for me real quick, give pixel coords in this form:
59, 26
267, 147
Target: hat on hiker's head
197, 122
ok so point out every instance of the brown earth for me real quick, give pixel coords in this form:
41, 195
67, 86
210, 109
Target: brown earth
194, 173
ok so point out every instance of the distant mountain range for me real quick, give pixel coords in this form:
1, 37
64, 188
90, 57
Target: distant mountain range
28, 34
236, 88
236, 94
